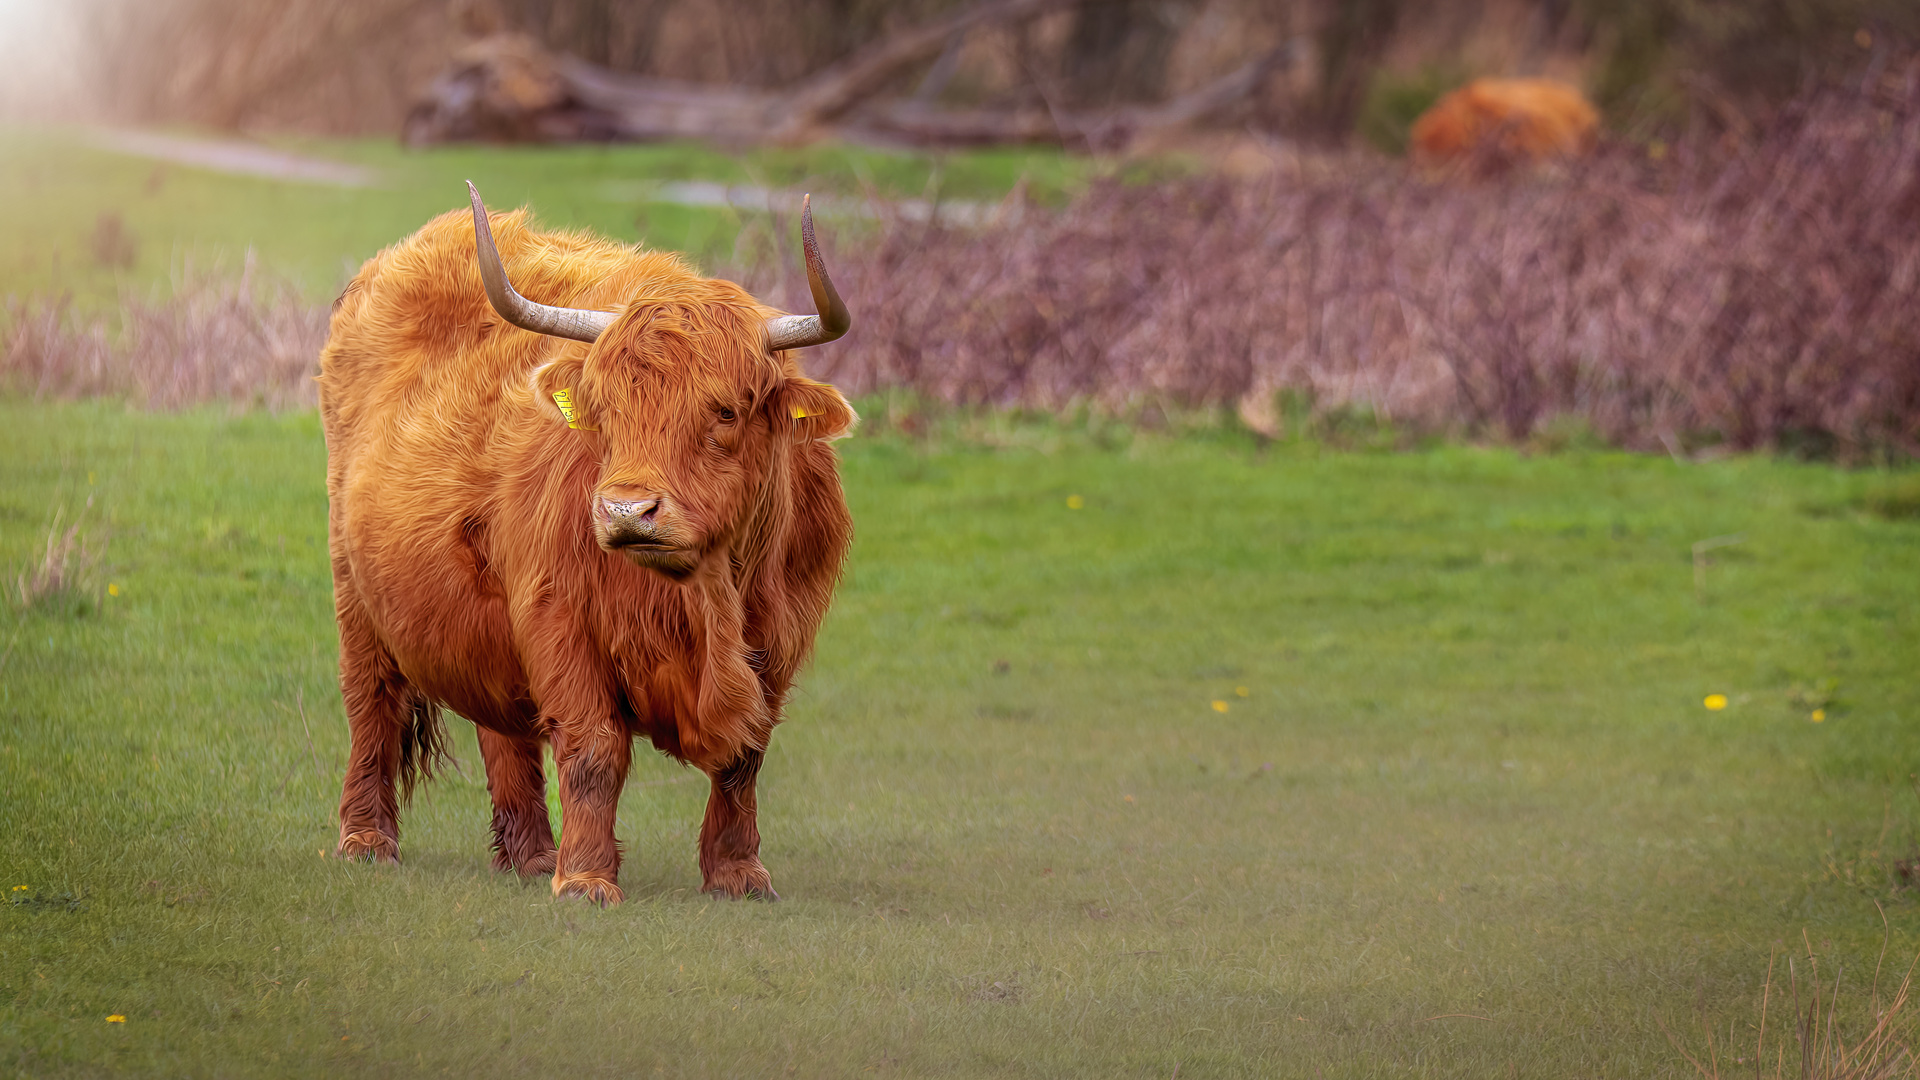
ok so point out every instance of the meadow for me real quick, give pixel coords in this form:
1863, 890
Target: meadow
1142, 749
1124, 753
60, 187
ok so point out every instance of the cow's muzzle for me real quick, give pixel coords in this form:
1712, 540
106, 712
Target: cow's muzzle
646, 530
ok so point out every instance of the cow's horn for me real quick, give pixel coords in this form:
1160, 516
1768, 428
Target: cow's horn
800, 331
576, 323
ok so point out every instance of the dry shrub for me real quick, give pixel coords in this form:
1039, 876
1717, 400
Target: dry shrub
1759, 295
64, 576
114, 245
1805, 1030
240, 340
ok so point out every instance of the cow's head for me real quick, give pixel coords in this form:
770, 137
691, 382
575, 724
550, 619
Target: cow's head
693, 397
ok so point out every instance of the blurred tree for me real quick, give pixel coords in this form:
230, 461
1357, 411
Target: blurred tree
1352, 37
747, 42
353, 66
1118, 51
585, 28
329, 64
1656, 57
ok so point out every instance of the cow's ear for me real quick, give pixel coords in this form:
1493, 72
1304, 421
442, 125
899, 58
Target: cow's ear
560, 377
815, 409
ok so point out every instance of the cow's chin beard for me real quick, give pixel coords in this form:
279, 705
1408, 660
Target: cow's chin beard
675, 563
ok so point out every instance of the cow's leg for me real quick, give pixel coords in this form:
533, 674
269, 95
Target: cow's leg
378, 708
730, 835
522, 832
592, 760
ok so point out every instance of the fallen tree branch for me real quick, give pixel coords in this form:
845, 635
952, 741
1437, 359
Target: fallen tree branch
915, 122
506, 88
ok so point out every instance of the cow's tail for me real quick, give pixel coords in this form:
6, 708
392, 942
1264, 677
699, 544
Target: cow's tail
423, 745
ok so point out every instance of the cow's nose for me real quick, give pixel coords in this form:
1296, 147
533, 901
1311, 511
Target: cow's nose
643, 521
630, 510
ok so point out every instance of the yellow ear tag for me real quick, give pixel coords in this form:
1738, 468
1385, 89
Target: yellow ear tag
564, 399
800, 413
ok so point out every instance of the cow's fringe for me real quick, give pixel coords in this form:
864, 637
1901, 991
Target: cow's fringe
423, 746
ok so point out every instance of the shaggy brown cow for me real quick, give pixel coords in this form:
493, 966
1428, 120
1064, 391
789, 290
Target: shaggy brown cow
1507, 121
628, 521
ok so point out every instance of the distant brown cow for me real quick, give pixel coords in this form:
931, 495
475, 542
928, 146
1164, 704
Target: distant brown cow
626, 522
1505, 121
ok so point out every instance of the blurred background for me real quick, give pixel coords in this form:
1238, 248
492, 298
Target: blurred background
357, 67
1137, 204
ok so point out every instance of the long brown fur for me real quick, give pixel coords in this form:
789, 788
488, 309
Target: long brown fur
1504, 122
467, 573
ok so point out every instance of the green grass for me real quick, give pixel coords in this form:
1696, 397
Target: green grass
1471, 774
55, 186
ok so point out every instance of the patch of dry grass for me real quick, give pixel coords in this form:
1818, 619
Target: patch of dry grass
1821, 1038
65, 572
1753, 295
244, 339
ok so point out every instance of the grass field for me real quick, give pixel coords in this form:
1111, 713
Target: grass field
1294, 763
56, 186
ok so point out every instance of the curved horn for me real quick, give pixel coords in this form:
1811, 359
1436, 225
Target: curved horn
800, 331
576, 323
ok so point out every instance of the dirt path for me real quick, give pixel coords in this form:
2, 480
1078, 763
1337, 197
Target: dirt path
234, 156
241, 158
755, 198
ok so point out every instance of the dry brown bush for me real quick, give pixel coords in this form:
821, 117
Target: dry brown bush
1762, 295
234, 339
65, 576
1806, 1031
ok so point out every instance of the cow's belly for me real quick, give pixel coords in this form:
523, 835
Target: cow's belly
438, 611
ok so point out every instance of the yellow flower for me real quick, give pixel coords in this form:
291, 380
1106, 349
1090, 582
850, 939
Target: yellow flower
1075, 502
1241, 691
19, 888
1219, 706
113, 590
116, 1018
1716, 702
1819, 715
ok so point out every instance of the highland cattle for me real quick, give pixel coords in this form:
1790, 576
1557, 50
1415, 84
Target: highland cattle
1504, 122
612, 513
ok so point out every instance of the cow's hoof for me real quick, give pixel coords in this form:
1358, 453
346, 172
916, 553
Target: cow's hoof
746, 879
597, 891
534, 866
370, 845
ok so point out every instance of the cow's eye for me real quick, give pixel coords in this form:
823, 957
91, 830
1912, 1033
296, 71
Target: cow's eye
726, 414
